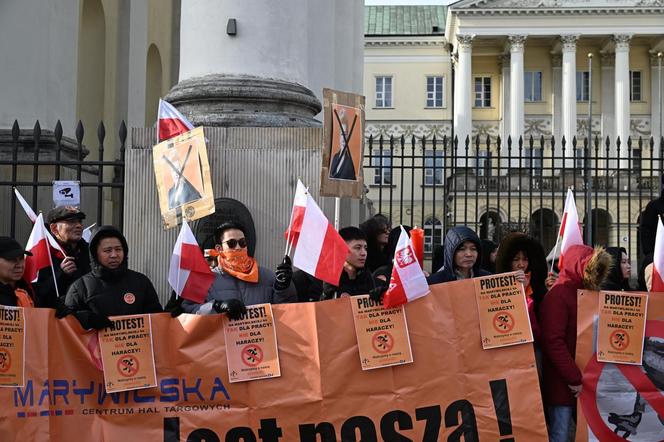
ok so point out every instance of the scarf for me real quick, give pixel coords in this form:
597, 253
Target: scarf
237, 263
23, 299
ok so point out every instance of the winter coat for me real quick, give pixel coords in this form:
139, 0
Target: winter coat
454, 239
583, 268
226, 286
648, 225
307, 287
361, 285
45, 287
509, 247
109, 292
7, 296
615, 280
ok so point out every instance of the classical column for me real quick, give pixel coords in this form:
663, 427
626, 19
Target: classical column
607, 90
569, 88
557, 89
516, 86
622, 115
463, 90
656, 84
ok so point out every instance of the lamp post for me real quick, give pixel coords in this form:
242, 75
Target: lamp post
589, 218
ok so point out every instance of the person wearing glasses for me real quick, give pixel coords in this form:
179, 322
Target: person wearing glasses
239, 280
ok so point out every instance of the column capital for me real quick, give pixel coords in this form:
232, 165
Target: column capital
516, 42
556, 60
569, 42
465, 42
622, 41
504, 59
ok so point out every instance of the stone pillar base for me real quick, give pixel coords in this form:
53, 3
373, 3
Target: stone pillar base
222, 100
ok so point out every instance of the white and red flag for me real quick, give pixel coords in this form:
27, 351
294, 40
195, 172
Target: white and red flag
171, 122
407, 282
33, 217
658, 259
320, 251
292, 234
570, 230
38, 245
189, 274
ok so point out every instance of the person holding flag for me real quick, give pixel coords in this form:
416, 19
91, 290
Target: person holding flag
14, 290
110, 288
70, 261
239, 280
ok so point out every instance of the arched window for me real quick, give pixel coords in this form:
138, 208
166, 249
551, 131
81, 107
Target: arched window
601, 222
544, 226
433, 233
490, 226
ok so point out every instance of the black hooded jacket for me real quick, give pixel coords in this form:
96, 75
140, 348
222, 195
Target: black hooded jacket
615, 280
454, 239
519, 242
109, 292
45, 292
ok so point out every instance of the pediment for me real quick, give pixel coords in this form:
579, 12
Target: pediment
555, 4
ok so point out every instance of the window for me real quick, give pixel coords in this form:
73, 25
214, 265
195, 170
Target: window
433, 234
533, 161
634, 85
582, 86
636, 161
433, 167
580, 159
382, 175
383, 91
435, 91
484, 163
482, 91
533, 86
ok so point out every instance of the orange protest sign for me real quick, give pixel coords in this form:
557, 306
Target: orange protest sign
503, 311
127, 354
453, 390
251, 345
12, 346
622, 325
382, 334
620, 402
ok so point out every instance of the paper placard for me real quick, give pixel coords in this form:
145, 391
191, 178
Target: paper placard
127, 354
66, 193
382, 334
503, 311
12, 346
251, 345
622, 327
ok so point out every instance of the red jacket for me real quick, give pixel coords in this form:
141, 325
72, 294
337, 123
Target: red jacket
558, 324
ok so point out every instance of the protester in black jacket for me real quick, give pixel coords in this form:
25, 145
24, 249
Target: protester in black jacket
14, 291
462, 257
110, 289
65, 224
355, 278
648, 224
620, 272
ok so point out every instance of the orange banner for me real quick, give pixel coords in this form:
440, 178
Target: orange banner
453, 391
619, 401
12, 346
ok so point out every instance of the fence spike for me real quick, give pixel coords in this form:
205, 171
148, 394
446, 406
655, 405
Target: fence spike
629, 142
16, 132
542, 141
101, 132
607, 143
58, 133
618, 143
509, 143
488, 142
640, 142
37, 134
520, 143
79, 132
574, 142
123, 133
531, 141
651, 142
498, 143
553, 142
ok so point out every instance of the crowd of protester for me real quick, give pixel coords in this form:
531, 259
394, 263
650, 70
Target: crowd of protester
94, 282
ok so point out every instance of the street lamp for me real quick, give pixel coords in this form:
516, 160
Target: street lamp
589, 223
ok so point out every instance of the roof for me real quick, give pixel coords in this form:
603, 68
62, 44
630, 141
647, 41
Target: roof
404, 20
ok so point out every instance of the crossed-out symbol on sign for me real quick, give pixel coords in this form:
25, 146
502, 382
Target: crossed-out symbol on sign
503, 322
5, 361
382, 342
127, 365
252, 355
619, 340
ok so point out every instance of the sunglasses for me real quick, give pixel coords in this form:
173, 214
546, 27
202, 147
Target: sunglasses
233, 243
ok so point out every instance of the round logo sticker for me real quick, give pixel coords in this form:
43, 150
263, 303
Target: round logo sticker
129, 298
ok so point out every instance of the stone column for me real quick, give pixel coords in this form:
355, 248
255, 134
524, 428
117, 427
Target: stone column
516, 86
656, 85
622, 114
569, 88
504, 61
607, 61
557, 89
463, 90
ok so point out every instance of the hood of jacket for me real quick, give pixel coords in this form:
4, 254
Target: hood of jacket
455, 237
585, 267
97, 269
615, 280
520, 242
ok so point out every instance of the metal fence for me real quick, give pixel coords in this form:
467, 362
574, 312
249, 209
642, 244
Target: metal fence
31, 159
497, 187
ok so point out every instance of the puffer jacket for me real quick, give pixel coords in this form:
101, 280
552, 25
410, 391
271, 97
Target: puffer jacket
108, 292
454, 239
583, 268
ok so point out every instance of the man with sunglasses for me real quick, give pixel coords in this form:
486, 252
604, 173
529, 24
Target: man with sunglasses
239, 280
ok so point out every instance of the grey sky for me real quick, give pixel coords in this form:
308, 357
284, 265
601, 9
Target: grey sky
408, 2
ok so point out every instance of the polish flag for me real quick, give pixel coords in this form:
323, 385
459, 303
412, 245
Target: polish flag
658, 259
570, 230
407, 282
33, 217
292, 234
189, 274
321, 251
38, 246
171, 122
